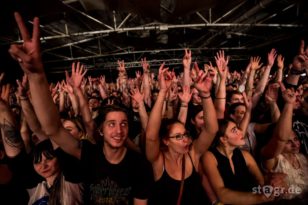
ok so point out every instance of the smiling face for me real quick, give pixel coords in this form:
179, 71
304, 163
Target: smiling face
115, 129
47, 167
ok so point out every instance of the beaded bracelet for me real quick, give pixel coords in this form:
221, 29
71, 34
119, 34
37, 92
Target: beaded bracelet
204, 97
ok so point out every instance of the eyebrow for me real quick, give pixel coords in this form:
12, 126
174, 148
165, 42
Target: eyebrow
233, 128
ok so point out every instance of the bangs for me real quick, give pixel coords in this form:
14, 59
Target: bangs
44, 148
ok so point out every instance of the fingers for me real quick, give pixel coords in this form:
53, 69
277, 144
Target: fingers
282, 87
36, 30
18, 54
22, 27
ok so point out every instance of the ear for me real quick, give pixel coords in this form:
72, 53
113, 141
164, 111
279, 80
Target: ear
192, 120
223, 140
166, 142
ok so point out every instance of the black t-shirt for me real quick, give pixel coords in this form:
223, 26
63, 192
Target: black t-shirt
115, 184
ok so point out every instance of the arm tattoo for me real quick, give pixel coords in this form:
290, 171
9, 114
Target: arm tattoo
11, 134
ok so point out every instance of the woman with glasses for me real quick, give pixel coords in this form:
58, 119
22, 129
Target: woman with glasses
172, 152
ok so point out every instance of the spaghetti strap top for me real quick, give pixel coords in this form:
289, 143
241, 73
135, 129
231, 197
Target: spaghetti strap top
166, 189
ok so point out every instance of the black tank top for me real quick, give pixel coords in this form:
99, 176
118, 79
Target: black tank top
166, 190
242, 180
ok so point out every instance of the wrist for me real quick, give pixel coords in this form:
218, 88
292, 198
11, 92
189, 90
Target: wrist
204, 95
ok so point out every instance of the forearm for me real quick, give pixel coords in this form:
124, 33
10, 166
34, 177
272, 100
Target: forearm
249, 83
156, 116
144, 118
29, 115
11, 138
46, 111
186, 77
263, 81
275, 112
74, 103
228, 196
209, 115
61, 102
182, 117
279, 75
245, 122
220, 99
85, 112
147, 88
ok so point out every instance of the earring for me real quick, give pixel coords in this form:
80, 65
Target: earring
100, 133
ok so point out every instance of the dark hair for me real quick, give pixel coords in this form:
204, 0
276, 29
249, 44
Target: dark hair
233, 107
103, 111
45, 148
222, 127
166, 125
231, 93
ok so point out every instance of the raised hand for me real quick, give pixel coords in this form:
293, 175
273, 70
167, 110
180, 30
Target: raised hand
185, 96
28, 54
255, 63
121, 66
145, 65
164, 77
271, 93
138, 74
22, 88
280, 61
203, 83
271, 56
187, 59
78, 73
136, 95
287, 94
221, 63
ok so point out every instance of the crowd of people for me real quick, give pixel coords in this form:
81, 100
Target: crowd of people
202, 136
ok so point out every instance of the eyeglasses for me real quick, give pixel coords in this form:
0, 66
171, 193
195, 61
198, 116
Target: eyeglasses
180, 136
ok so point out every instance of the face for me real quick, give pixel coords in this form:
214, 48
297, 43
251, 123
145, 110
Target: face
198, 121
292, 145
233, 135
237, 98
178, 140
71, 127
239, 113
93, 104
47, 167
115, 129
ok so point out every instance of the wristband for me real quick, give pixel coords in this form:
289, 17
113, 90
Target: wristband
205, 97
23, 98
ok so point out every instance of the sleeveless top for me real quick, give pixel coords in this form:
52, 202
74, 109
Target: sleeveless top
166, 190
297, 179
242, 180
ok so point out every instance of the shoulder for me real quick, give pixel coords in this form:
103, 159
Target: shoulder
209, 158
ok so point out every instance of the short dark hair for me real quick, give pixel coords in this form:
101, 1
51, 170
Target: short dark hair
233, 107
45, 147
103, 111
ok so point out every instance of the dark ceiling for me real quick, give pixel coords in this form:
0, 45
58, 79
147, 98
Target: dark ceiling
99, 32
